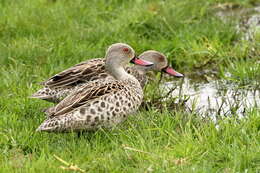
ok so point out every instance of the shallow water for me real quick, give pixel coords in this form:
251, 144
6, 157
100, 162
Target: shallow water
214, 98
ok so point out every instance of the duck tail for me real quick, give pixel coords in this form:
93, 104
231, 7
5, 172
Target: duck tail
45, 94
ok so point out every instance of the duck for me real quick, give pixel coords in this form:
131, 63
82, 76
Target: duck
160, 64
62, 84
100, 103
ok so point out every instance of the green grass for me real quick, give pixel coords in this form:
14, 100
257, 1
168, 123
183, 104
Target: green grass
41, 38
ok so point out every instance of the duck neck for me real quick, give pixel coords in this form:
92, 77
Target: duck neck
141, 70
119, 73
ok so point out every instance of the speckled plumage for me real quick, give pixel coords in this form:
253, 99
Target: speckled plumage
62, 84
99, 103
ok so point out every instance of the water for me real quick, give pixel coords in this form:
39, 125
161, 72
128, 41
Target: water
214, 98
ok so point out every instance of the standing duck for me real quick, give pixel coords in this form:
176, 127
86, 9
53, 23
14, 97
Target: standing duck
62, 84
100, 103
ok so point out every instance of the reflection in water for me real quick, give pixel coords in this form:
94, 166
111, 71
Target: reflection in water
215, 97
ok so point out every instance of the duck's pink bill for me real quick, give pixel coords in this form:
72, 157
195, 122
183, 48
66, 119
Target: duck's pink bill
172, 72
141, 62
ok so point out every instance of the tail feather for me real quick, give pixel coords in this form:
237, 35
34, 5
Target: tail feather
39, 96
45, 94
48, 125
57, 124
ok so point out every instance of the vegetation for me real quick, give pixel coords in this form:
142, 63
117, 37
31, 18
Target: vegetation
41, 38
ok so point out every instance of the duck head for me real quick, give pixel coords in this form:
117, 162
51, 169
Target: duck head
118, 55
159, 61
121, 54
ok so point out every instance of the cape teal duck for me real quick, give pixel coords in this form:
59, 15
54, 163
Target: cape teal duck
100, 103
62, 84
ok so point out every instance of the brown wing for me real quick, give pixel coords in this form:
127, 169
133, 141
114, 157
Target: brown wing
85, 94
79, 73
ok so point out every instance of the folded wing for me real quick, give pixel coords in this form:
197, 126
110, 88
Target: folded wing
79, 73
85, 95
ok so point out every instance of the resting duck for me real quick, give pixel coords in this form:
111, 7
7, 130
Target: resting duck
62, 84
100, 103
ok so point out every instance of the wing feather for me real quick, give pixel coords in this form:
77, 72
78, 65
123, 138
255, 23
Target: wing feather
87, 93
79, 73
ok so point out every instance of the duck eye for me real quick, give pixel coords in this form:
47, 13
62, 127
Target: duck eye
125, 49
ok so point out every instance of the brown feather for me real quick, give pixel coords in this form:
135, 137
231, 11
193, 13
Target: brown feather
87, 93
77, 74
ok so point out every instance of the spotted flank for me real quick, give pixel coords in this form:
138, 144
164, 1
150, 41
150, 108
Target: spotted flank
93, 106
